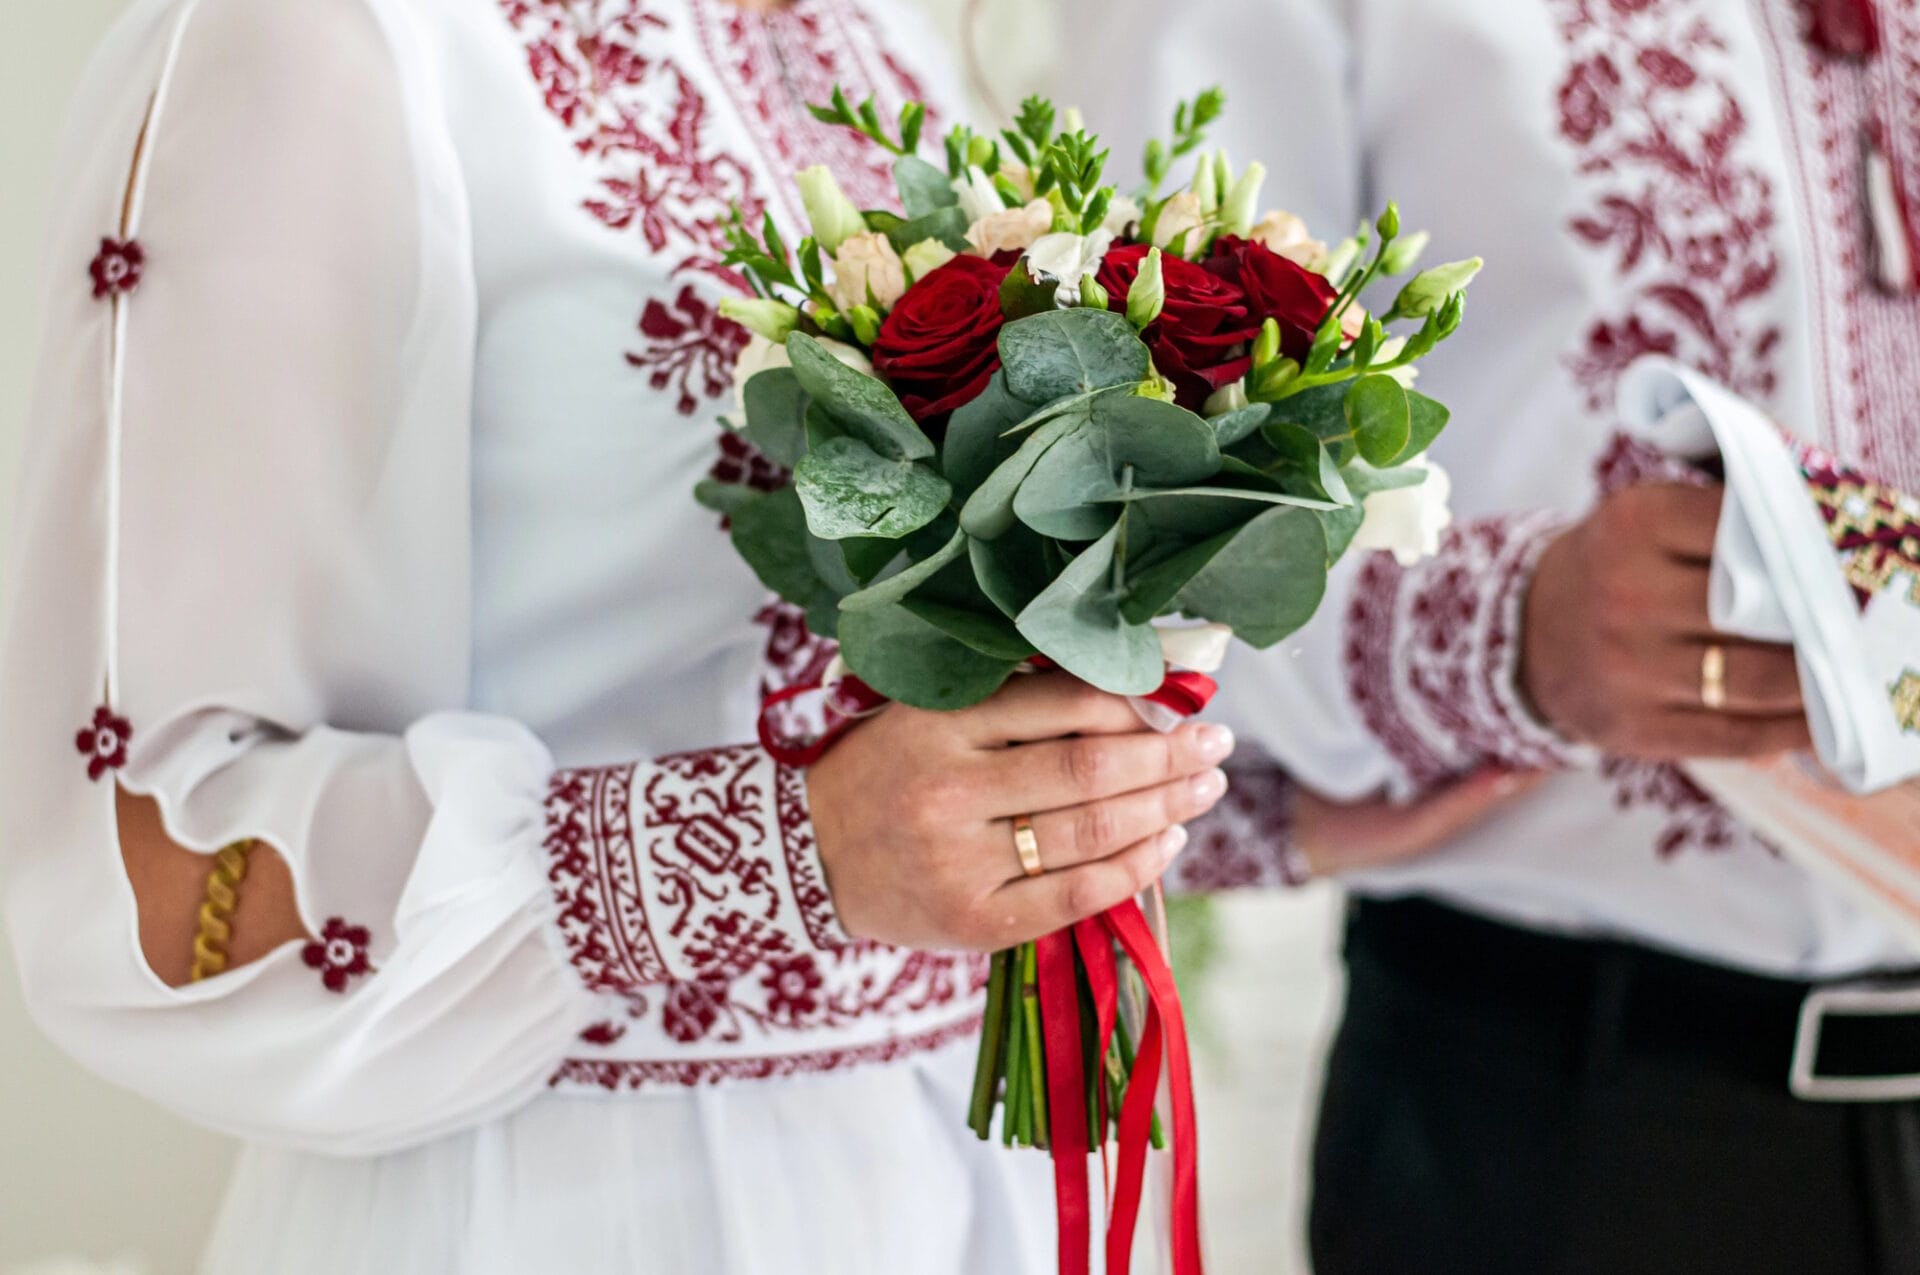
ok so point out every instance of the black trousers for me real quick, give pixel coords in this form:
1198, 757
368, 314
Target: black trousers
1502, 1101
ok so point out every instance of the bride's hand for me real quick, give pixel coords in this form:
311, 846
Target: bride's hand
1341, 837
914, 813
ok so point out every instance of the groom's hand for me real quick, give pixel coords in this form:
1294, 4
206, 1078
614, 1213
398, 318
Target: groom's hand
1615, 636
914, 813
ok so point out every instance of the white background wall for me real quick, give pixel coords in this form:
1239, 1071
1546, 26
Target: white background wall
87, 1169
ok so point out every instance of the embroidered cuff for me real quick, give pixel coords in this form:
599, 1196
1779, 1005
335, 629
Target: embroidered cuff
695, 867
1244, 842
1433, 653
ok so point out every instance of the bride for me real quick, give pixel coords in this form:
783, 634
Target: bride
374, 688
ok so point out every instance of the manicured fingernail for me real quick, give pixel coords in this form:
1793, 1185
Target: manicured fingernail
1216, 742
1209, 785
1173, 840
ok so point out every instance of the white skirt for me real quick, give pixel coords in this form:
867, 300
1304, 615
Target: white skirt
870, 1171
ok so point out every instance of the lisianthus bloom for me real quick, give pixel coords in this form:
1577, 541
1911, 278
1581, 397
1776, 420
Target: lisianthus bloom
1287, 235
1010, 229
939, 346
1183, 214
1275, 288
1199, 341
867, 271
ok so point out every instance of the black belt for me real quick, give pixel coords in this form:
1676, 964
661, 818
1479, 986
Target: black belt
1857, 1041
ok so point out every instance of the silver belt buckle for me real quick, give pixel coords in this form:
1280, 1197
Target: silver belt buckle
1856, 1000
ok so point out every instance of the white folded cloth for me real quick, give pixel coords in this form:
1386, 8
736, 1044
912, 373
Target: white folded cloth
1808, 552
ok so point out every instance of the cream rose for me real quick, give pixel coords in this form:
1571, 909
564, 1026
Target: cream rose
1407, 521
867, 266
1180, 215
1010, 228
1287, 236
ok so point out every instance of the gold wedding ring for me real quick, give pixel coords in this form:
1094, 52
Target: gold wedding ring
1713, 677
1027, 844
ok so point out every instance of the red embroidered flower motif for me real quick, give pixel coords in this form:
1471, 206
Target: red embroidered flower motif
604, 1032
743, 464
692, 1008
793, 988
1587, 98
691, 347
116, 269
103, 742
340, 953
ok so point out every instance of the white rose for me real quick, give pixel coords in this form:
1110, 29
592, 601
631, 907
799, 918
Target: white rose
1068, 258
1180, 215
1014, 228
925, 257
867, 265
1288, 237
978, 199
1407, 521
760, 355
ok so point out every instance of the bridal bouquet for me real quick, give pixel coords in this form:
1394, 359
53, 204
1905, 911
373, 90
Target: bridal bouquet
1031, 421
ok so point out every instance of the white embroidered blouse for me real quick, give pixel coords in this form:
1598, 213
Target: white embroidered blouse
1680, 177
381, 358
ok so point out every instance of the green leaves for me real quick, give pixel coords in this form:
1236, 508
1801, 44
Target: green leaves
1266, 579
1064, 496
896, 587
924, 189
1378, 414
906, 658
1427, 291
777, 416
1062, 352
988, 513
848, 489
1076, 621
860, 404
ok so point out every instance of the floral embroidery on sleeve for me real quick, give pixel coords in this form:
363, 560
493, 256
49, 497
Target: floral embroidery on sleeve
116, 269
340, 954
103, 742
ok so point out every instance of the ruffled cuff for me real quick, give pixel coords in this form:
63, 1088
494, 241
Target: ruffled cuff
1245, 842
700, 865
1433, 654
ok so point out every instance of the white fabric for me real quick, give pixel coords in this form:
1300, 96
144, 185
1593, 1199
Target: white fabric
1776, 578
1504, 128
367, 509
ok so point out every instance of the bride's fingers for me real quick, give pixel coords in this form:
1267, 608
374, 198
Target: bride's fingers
1060, 773
1097, 829
1045, 706
1024, 910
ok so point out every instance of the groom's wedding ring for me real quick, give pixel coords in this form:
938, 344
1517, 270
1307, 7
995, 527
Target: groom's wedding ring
1713, 677
1027, 844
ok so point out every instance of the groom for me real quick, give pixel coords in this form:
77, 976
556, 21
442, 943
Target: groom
1568, 1033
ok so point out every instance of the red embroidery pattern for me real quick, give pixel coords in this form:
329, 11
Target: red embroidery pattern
591, 868
340, 954
1241, 843
629, 1074
103, 742
1430, 652
1875, 529
116, 269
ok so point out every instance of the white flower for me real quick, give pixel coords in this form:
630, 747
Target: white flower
1014, 228
1200, 647
1237, 203
978, 199
925, 257
832, 215
867, 265
1407, 521
771, 319
761, 355
1124, 211
1180, 215
1228, 398
1287, 236
1068, 258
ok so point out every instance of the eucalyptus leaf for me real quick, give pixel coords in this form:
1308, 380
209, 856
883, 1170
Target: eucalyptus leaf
1320, 409
897, 586
1341, 526
777, 416
1230, 427
991, 635
724, 498
946, 225
977, 438
1225, 493
867, 556
1365, 479
1076, 621
1012, 570
862, 404
821, 427
1427, 417
909, 660
1267, 580
848, 489
1152, 589
1066, 494
988, 513
1049, 356
771, 534
1380, 418
924, 189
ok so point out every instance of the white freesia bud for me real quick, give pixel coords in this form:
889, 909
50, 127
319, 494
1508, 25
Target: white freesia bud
762, 316
926, 257
1200, 647
1206, 185
978, 199
1287, 236
1180, 215
1068, 258
1014, 228
1236, 213
761, 355
867, 267
1230, 397
1407, 521
1148, 295
1124, 211
831, 214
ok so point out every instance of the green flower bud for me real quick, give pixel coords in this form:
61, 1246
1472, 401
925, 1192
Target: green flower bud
1092, 295
1388, 226
1238, 212
865, 322
1266, 346
1427, 291
1206, 187
1339, 260
923, 258
1148, 296
774, 320
1267, 384
1402, 253
832, 215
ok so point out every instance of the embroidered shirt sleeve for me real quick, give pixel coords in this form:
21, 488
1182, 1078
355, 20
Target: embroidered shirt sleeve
1432, 653
698, 865
1245, 842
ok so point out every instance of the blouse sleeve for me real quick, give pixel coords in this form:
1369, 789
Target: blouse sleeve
241, 588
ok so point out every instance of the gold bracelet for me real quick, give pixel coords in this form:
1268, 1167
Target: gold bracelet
216, 913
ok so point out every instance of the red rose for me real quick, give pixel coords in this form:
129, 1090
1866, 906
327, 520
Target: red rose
1284, 291
1199, 342
940, 345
